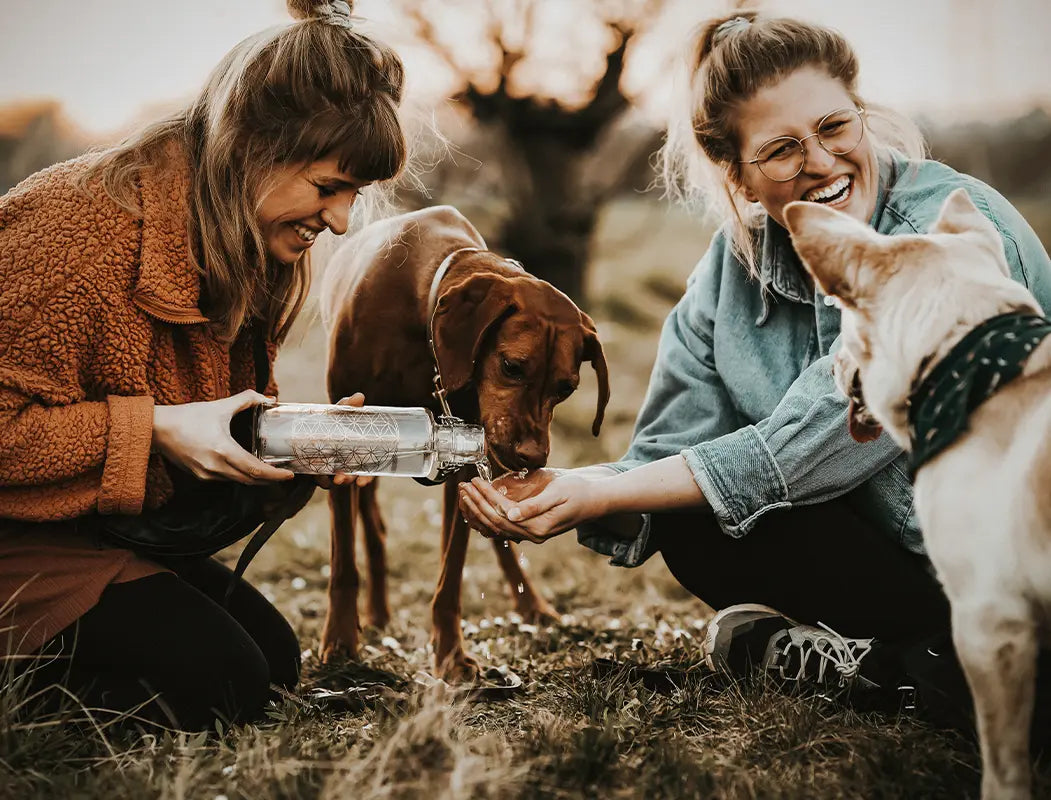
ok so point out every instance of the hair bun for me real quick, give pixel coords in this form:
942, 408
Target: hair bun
312, 9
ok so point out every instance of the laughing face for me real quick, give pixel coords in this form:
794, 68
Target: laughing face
300, 201
793, 107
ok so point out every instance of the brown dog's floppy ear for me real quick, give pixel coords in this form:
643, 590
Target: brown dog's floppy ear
825, 241
593, 353
464, 314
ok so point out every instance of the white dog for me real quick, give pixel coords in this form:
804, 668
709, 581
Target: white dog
947, 353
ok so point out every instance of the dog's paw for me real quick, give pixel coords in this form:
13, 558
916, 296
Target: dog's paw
538, 611
334, 649
457, 666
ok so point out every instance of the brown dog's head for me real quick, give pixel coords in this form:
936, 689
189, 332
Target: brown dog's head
906, 299
522, 343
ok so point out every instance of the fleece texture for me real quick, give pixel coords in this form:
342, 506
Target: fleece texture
99, 321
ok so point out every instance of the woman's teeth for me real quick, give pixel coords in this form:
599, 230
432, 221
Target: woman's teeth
304, 232
831, 193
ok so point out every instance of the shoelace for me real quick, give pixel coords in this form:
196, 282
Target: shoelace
844, 655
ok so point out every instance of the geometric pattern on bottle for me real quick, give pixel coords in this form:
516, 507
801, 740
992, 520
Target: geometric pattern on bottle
329, 443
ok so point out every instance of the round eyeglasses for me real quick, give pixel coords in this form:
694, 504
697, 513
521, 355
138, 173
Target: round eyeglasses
838, 133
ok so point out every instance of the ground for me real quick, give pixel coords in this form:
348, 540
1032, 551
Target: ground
571, 730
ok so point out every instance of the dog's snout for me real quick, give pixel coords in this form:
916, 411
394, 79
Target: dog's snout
531, 454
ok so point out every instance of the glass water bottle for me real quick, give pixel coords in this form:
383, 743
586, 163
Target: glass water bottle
371, 440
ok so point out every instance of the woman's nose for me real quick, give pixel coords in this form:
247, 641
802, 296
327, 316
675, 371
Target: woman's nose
818, 160
336, 216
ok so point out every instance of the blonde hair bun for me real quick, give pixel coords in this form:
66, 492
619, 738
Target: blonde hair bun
313, 9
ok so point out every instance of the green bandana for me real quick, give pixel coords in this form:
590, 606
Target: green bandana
981, 362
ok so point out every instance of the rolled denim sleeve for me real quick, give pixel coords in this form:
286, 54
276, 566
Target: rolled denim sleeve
686, 401
801, 454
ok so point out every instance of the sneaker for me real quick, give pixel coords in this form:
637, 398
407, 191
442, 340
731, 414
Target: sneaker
744, 637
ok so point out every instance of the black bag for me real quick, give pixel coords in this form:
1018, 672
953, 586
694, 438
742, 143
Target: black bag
203, 517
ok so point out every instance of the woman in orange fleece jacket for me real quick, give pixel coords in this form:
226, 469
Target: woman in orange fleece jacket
137, 285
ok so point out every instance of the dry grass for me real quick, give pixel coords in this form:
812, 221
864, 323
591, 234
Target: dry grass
567, 733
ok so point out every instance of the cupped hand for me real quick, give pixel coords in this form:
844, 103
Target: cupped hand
343, 479
196, 437
545, 503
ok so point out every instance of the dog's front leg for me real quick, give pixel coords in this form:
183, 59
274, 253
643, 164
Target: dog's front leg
451, 661
998, 652
340, 635
376, 553
528, 601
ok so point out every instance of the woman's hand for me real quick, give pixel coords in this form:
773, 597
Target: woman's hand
545, 503
342, 479
196, 437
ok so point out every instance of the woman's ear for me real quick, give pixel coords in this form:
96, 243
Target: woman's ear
738, 186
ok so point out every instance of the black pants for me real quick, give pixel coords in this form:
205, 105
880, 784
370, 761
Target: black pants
169, 635
824, 563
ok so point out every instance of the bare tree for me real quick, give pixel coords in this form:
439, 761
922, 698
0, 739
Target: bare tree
560, 157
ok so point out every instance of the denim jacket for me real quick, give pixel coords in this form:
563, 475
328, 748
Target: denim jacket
742, 387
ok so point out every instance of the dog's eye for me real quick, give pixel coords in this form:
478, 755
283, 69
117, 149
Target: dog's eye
512, 369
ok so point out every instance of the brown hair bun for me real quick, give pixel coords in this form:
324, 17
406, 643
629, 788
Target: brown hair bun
311, 9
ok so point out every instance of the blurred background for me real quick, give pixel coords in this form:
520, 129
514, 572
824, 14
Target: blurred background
551, 112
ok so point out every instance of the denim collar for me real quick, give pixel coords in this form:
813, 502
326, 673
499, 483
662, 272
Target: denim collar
780, 272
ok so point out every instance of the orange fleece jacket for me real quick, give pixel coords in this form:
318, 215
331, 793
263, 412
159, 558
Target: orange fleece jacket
99, 321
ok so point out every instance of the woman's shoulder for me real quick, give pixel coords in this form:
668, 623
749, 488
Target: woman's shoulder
62, 242
915, 199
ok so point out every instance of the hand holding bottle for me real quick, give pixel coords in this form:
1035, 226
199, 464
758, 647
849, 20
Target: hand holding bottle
196, 437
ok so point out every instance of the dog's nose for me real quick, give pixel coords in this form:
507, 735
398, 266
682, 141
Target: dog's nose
531, 454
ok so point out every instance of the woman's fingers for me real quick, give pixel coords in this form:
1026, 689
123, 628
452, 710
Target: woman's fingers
489, 517
472, 516
525, 509
243, 467
357, 399
247, 399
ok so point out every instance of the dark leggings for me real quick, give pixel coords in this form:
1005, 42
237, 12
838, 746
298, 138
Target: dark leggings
824, 563
820, 563
169, 635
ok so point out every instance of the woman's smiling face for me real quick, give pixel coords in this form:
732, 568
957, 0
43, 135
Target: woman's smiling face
300, 201
793, 107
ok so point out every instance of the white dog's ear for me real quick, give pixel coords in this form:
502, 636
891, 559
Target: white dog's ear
827, 242
959, 215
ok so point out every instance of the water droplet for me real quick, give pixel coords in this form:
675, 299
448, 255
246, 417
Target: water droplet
507, 543
523, 562
521, 588
485, 472
299, 583
326, 570
483, 595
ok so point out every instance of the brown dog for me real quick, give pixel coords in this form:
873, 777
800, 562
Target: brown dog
509, 347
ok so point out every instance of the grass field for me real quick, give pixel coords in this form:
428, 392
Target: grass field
568, 732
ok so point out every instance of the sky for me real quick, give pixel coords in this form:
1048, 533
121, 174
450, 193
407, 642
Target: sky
107, 60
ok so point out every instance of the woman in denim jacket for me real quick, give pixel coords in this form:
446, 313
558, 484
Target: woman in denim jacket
741, 450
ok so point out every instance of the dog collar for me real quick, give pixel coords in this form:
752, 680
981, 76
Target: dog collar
432, 306
989, 356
